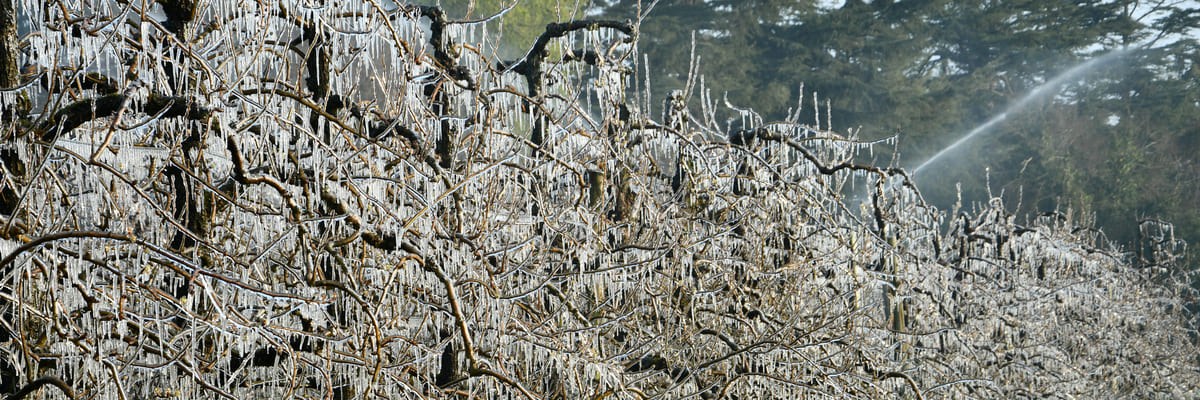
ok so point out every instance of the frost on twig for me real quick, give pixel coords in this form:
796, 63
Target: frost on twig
273, 200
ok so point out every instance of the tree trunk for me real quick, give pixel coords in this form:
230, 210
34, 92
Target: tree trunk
10, 72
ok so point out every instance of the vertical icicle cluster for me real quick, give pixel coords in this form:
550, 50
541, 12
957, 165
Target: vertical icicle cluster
359, 199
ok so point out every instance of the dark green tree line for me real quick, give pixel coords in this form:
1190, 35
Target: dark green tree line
1118, 142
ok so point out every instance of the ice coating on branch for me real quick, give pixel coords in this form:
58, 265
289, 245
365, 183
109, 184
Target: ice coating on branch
346, 201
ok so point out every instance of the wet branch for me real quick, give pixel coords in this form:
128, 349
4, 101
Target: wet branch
444, 53
240, 175
531, 65
78, 113
38, 383
474, 366
10, 72
821, 167
179, 13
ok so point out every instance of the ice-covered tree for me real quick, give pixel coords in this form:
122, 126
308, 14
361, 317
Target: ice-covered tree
336, 200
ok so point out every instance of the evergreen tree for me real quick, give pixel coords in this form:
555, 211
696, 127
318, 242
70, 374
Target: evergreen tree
929, 71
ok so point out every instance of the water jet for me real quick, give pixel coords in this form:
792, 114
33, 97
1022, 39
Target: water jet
1037, 93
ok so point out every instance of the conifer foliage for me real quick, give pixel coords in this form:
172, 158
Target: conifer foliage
335, 200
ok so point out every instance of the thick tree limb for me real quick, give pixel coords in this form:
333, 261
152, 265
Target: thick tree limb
240, 175
316, 62
724, 338
38, 384
78, 113
10, 72
444, 53
179, 13
531, 66
911, 383
10, 257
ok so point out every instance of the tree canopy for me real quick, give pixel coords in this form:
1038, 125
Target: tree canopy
928, 72
362, 200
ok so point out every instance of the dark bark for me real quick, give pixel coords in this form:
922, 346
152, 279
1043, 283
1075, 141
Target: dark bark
13, 166
586, 56
743, 183
78, 113
444, 53
384, 242
38, 383
624, 198
183, 209
724, 338
745, 137
8, 372
179, 207
264, 357
444, 144
650, 362
316, 62
448, 374
680, 176
8, 200
9, 316
179, 14
241, 176
531, 66
10, 71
